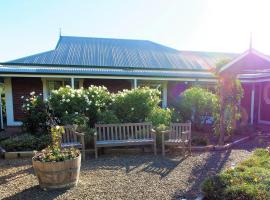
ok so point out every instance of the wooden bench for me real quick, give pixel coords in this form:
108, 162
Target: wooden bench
179, 134
128, 134
71, 138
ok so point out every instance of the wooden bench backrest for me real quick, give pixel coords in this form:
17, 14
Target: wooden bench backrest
123, 131
177, 130
69, 135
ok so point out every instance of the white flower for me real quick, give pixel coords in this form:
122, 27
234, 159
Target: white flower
26, 99
32, 93
27, 108
22, 97
72, 95
66, 112
27, 104
57, 127
68, 100
86, 108
63, 100
132, 108
76, 113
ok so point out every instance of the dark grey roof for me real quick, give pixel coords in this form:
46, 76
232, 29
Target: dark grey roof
118, 53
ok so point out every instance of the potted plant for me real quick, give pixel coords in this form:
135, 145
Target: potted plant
57, 167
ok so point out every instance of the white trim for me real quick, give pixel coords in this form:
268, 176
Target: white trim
9, 104
252, 105
165, 94
228, 65
135, 83
72, 83
250, 51
260, 98
44, 88
112, 77
1, 111
264, 122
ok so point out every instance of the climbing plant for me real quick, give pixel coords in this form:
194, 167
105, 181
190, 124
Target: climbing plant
229, 92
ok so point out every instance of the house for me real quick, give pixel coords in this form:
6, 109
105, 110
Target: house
123, 64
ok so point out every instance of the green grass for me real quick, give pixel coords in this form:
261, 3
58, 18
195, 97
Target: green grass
250, 180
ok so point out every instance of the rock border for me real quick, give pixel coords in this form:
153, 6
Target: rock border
17, 154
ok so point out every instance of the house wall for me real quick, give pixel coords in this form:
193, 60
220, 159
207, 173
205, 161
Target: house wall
175, 88
265, 103
22, 87
112, 85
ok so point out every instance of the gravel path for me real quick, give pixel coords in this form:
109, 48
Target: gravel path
140, 176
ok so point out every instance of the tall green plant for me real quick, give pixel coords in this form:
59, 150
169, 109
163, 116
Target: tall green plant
198, 104
229, 92
135, 105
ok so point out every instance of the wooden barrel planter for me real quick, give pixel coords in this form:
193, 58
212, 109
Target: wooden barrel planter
57, 175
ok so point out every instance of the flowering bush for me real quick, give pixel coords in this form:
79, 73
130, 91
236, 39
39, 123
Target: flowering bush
71, 105
55, 153
135, 105
67, 101
36, 113
98, 99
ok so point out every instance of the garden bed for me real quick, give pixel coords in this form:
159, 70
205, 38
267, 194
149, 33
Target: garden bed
248, 180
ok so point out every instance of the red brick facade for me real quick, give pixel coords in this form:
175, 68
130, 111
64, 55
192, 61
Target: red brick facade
111, 84
22, 87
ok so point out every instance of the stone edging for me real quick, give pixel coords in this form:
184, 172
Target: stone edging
17, 154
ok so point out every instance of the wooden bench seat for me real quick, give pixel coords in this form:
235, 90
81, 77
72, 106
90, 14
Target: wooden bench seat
72, 138
129, 134
179, 134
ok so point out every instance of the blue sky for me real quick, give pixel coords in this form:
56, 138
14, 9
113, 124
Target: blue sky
32, 26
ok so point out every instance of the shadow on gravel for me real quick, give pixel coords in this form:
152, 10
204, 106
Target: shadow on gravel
13, 176
35, 193
163, 167
214, 163
148, 163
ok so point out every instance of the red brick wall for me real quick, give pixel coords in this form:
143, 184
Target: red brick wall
22, 87
112, 85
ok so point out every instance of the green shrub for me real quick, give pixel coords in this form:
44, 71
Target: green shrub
107, 117
26, 142
248, 180
36, 114
197, 104
160, 118
135, 105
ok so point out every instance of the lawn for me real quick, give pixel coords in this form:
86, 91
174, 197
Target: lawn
125, 176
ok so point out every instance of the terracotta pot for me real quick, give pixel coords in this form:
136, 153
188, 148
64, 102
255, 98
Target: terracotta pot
56, 175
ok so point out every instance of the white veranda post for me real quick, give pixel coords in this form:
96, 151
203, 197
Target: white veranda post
164, 95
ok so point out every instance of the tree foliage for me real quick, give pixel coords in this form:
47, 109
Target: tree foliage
198, 105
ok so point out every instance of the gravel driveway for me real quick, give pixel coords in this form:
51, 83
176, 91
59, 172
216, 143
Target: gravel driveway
142, 176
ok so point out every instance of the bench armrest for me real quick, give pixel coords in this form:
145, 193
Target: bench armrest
79, 133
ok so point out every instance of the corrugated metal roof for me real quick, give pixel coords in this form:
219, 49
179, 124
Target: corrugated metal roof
104, 52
